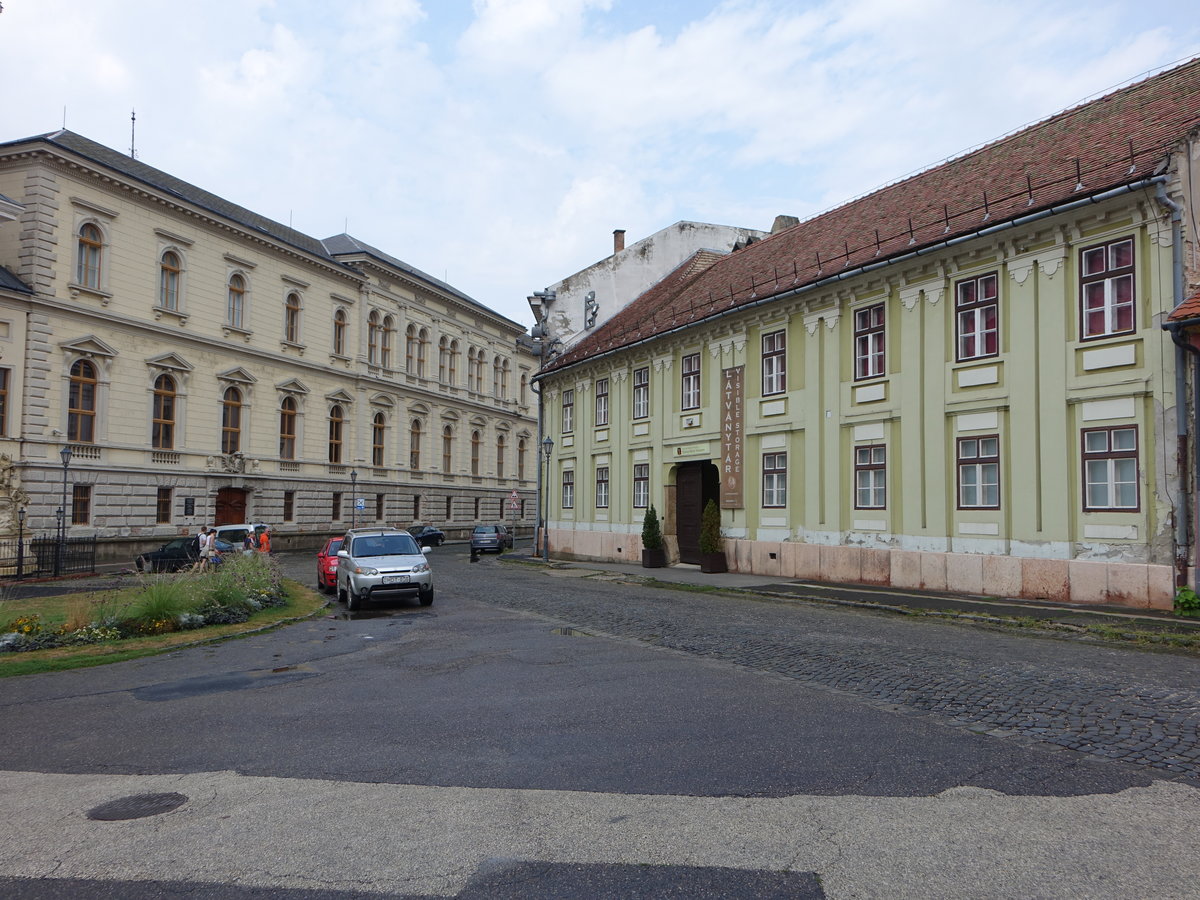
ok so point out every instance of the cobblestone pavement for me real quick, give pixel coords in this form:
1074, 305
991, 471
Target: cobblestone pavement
1115, 703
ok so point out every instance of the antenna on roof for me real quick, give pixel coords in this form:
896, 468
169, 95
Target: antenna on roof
133, 134
64, 116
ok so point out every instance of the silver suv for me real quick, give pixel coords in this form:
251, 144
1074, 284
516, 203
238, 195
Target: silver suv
376, 560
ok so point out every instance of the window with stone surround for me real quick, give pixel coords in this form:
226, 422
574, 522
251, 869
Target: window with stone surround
1110, 469
870, 477
869, 342
1107, 289
976, 317
979, 472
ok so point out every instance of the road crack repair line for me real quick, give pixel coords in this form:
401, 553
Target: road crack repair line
1147, 726
406, 839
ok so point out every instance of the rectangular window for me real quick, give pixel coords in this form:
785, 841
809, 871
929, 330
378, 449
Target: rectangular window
289, 506
81, 504
691, 381
379, 507
641, 485
976, 315
641, 392
449, 509
870, 477
3, 402
568, 411
1106, 288
1110, 468
602, 402
979, 472
568, 489
868, 342
477, 508
416, 507
602, 487
774, 363
774, 480
162, 507
336, 512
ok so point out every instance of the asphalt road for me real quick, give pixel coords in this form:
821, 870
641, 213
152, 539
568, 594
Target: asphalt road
545, 735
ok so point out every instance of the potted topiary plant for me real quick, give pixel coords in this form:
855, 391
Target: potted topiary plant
712, 556
653, 554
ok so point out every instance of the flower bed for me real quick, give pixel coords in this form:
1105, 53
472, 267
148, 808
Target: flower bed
221, 595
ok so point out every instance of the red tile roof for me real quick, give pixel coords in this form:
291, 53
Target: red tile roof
1188, 309
1112, 141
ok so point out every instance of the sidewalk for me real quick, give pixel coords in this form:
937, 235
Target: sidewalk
907, 601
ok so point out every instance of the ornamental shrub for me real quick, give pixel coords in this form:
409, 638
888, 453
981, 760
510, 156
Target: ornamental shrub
651, 532
710, 528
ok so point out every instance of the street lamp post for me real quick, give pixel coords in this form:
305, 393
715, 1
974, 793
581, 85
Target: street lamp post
65, 455
21, 542
353, 497
547, 449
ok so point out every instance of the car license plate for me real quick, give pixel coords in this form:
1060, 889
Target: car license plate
396, 579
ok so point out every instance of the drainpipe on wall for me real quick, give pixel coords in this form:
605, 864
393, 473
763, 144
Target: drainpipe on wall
1182, 349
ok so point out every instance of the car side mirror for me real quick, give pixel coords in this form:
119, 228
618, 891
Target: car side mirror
343, 554
426, 550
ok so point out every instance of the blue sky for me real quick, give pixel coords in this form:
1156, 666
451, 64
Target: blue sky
497, 143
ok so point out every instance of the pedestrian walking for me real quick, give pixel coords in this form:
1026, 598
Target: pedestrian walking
264, 539
207, 543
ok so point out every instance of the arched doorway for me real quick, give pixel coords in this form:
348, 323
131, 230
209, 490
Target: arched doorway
695, 484
230, 506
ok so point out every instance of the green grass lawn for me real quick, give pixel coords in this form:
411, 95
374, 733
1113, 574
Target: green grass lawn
54, 611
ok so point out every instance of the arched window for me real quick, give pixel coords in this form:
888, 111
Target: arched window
287, 428
410, 349
170, 268
237, 300
499, 456
162, 428
336, 420
521, 459
81, 403
414, 445
387, 330
231, 421
373, 338
475, 442
453, 373
524, 388
443, 358
422, 351
496, 378
447, 448
291, 318
504, 380
339, 332
91, 250
378, 431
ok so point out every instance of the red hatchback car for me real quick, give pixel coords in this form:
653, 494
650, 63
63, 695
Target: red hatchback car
327, 565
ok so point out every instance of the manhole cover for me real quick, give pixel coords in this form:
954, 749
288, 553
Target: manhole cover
137, 806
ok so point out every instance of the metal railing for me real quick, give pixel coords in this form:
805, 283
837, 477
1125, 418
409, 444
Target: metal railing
42, 554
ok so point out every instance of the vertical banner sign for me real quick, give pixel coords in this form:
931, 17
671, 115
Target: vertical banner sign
733, 436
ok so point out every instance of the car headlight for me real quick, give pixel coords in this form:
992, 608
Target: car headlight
365, 570
420, 567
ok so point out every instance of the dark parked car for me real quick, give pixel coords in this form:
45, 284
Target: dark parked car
327, 563
490, 537
176, 554
427, 535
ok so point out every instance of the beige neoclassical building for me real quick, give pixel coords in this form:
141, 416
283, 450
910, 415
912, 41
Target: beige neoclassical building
205, 364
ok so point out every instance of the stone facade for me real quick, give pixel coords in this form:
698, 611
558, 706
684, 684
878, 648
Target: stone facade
203, 362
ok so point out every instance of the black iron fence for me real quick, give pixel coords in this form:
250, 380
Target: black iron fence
44, 555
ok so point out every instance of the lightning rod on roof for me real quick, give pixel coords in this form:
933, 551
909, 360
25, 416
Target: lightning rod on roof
133, 134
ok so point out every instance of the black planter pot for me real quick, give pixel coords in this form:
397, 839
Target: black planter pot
712, 563
654, 559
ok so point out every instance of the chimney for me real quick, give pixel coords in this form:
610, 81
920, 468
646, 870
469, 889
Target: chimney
782, 223
618, 240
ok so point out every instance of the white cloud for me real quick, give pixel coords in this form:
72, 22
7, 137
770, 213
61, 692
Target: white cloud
500, 147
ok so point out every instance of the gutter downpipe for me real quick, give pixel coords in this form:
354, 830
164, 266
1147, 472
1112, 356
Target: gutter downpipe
870, 267
1183, 502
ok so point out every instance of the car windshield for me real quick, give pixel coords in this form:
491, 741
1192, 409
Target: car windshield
384, 545
485, 529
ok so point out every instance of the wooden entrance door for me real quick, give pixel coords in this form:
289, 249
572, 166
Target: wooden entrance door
231, 507
695, 484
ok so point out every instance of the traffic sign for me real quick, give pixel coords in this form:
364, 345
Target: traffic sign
514, 496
